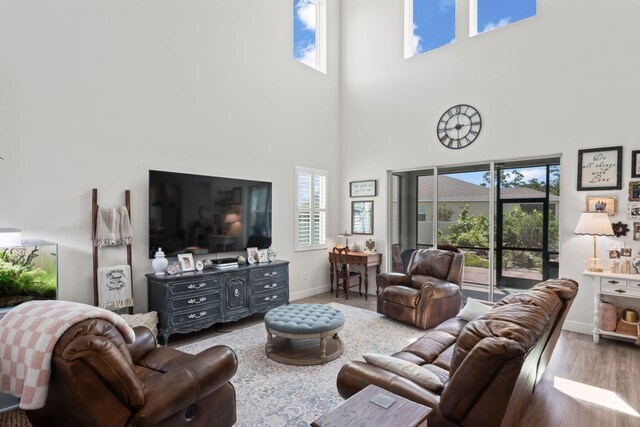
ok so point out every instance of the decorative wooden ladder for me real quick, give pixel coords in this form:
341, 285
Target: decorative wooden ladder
94, 226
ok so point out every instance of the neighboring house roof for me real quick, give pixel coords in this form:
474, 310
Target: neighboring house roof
457, 190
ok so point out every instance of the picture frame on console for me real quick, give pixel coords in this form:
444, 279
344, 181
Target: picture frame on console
186, 262
252, 255
600, 169
263, 256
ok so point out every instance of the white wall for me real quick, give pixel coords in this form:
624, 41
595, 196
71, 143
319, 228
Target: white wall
96, 93
563, 80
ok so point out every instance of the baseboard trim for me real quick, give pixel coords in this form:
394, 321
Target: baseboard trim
308, 292
579, 327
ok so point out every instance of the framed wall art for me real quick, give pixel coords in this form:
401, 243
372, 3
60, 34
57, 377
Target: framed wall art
363, 188
600, 169
608, 204
362, 217
633, 211
634, 191
635, 164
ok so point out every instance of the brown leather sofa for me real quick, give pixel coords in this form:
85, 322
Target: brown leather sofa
489, 367
429, 292
98, 380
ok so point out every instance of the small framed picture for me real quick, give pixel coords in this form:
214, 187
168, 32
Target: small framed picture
600, 169
363, 188
263, 255
608, 204
626, 252
635, 164
634, 191
186, 262
199, 265
362, 217
252, 255
636, 231
633, 211
614, 254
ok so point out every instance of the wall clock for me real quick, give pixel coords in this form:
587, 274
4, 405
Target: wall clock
459, 126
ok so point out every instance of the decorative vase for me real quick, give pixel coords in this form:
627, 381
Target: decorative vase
636, 264
160, 263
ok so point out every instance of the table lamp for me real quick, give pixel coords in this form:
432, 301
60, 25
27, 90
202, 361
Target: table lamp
594, 224
346, 236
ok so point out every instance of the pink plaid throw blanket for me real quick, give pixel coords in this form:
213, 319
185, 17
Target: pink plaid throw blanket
28, 334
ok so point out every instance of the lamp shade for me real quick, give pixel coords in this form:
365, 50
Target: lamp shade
594, 224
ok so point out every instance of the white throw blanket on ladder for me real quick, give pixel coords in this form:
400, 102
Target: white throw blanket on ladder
114, 287
113, 227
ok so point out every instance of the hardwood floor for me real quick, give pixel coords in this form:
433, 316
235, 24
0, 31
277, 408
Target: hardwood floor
582, 387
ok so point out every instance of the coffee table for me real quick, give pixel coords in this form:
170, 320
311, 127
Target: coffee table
359, 411
304, 334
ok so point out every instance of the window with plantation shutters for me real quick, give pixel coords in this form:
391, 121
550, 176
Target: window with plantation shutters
311, 209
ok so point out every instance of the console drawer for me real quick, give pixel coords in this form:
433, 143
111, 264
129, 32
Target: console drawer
269, 286
277, 297
195, 316
199, 300
195, 285
269, 273
620, 288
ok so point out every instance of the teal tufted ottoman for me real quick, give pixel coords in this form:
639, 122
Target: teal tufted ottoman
297, 334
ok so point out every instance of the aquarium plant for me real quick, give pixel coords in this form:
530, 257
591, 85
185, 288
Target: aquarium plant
21, 280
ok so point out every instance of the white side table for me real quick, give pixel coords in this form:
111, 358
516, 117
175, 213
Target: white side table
626, 285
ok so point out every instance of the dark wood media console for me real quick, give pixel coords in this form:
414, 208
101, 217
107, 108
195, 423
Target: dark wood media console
189, 302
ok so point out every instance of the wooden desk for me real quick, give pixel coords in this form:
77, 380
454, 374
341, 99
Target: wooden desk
363, 259
359, 411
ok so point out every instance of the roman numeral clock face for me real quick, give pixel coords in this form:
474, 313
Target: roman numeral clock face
459, 126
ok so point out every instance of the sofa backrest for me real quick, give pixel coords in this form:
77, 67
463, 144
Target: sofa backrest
498, 357
444, 265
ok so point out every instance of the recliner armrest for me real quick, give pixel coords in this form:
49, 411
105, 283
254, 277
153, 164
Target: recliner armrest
438, 290
144, 343
175, 391
392, 279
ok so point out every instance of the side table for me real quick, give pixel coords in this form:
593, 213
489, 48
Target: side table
359, 411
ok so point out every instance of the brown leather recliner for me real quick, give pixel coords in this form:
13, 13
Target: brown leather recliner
98, 380
489, 367
429, 292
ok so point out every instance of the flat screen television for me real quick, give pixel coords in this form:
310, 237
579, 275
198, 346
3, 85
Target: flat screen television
205, 214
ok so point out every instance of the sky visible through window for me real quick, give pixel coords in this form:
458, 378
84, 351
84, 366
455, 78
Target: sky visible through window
494, 14
434, 24
304, 31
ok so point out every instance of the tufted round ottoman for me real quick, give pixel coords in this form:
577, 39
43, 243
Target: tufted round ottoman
297, 334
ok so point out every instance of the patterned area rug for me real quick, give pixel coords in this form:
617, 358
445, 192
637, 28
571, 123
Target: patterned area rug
273, 394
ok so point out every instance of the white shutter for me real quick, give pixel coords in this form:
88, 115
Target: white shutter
311, 209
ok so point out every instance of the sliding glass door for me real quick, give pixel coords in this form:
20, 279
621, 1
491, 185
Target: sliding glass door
502, 216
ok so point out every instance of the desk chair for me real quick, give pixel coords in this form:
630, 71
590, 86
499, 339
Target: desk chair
344, 274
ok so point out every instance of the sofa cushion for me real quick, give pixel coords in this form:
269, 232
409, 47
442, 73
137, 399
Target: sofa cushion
452, 326
402, 295
431, 345
523, 324
548, 301
444, 359
565, 289
419, 375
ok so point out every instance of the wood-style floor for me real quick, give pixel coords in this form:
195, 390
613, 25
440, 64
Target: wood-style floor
585, 385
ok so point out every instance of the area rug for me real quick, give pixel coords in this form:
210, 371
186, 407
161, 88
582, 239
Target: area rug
273, 394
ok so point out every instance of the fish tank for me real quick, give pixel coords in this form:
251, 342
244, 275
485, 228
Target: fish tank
28, 272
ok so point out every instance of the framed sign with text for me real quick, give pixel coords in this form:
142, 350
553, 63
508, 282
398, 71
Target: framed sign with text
363, 188
600, 169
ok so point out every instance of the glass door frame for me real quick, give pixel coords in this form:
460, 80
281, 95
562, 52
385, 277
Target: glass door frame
494, 210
